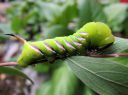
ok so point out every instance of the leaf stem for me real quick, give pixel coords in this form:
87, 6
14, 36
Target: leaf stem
110, 55
8, 64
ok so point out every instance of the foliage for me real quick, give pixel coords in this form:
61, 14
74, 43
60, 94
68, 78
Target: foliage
63, 79
25, 18
13, 71
106, 74
44, 89
52, 18
29, 17
103, 76
118, 15
88, 91
60, 83
90, 10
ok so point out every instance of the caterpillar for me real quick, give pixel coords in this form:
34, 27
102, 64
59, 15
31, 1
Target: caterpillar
93, 35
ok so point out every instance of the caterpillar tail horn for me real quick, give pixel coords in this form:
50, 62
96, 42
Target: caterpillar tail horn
17, 37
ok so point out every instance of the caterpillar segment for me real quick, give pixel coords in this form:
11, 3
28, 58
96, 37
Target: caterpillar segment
47, 50
92, 35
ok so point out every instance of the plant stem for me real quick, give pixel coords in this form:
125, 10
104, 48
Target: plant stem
8, 64
109, 55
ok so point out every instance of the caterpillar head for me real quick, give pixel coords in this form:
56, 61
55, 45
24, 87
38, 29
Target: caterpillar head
99, 34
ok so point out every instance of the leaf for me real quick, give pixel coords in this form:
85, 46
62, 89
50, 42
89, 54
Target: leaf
64, 82
59, 14
116, 14
69, 11
44, 89
15, 72
88, 91
5, 28
16, 23
122, 60
103, 76
56, 31
49, 10
42, 68
125, 25
90, 10
120, 45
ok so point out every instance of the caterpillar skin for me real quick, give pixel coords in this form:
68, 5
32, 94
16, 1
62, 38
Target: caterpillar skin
92, 35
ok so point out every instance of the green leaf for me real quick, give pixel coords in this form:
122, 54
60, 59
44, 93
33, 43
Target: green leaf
64, 82
88, 91
44, 89
122, 60
120, 45
103, 76
64, 14
56, 31
5, 28
49, 10
16, 23
116, 14
15, 72
125, 24
68, 12
90, 10
41, 68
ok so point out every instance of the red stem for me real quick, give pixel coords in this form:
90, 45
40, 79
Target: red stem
109, 55
8, 64
98, 55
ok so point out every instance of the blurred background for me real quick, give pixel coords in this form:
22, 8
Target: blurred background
41, 19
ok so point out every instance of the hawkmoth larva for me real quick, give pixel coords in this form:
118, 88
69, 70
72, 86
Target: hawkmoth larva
93, 35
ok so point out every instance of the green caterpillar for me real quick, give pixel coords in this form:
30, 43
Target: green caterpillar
93, 35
